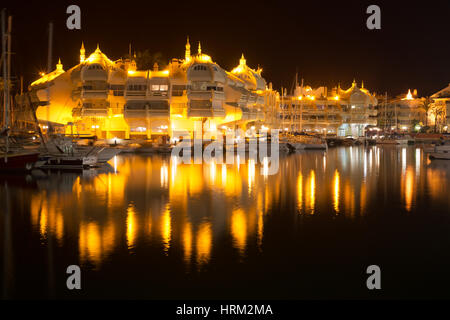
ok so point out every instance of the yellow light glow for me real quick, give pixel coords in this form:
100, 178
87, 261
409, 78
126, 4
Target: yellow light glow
187, 242
336, 97
409, 96
131, 226
204, 243
336, 191
166, 230
312, 191
239, 230
251, 174
300, 191
90, 243
131, 72
409, 188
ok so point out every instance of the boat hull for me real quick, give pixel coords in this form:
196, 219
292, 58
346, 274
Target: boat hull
18, 161
393, 141
440, 155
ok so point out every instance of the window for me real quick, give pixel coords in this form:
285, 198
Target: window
136, 87
199, 67
117, 89
200, 104
95, 67
177, 90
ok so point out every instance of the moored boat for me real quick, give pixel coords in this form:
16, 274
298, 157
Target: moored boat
18, 161
443, 155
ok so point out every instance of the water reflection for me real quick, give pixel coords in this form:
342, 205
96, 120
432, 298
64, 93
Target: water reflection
191, 212
336, 187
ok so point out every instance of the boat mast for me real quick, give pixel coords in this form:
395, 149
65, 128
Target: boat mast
49, 69
5, 72
6, 47
301, 107
385, 112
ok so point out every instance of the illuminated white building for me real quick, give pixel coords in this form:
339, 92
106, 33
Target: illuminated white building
336, 112
404, 113
113, 99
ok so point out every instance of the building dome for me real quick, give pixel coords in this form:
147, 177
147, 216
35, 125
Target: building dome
210, 72
94, 71
252, 78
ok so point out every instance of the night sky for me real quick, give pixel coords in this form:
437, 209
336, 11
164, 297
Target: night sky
325, 41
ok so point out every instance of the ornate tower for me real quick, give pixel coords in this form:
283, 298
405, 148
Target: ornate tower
187, 54
242, 62
59, 66
82, 53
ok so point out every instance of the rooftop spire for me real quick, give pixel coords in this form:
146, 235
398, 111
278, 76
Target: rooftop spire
82, 52
199, 51
187, 53
59, 66
242, 62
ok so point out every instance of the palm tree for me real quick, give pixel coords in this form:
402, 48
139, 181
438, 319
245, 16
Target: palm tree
438, 111
426, 104
145, 59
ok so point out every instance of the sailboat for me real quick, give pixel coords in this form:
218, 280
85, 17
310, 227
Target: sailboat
10, 159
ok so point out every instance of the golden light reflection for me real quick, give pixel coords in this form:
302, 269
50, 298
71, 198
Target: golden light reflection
260, 228
59, 227
300, 191
224, 175
164, 175
131, 226
90, 243
43, 222
251, 174
166, 229
239, 230
47, 217
204, 243
409, 188
265, 167
212, 172
187, 242
336, 184
173, 168
311, 191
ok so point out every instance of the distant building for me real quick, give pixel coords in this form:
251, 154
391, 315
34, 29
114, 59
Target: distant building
404, 113
440, 109
335, 112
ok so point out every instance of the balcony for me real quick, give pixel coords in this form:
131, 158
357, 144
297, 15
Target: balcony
135, 94
94, 112
94, 94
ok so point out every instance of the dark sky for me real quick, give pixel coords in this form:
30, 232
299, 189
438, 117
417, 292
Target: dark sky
326, 41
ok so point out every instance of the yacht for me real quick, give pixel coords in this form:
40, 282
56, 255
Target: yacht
393, 140
441, 152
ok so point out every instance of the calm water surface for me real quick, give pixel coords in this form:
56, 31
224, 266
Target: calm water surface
148, 228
